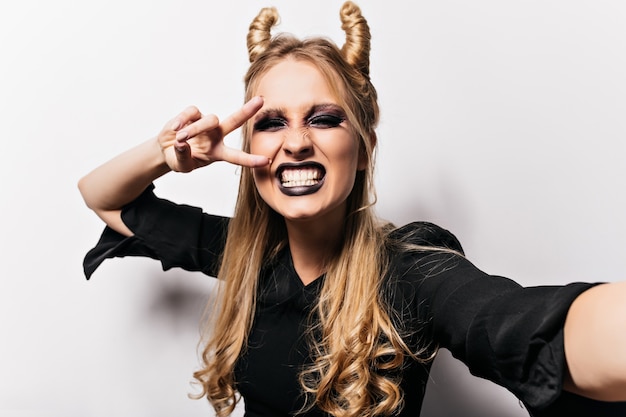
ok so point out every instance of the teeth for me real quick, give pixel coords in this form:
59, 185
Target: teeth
300, 177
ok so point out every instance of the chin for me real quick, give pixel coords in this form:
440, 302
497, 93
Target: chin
299, 215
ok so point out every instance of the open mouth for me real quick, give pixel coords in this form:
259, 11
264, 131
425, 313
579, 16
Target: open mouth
300, 178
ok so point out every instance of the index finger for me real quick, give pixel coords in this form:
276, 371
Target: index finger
239, 117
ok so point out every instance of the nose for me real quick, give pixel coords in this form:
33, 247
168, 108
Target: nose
297, 143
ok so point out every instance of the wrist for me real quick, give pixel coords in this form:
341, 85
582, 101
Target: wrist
158, 161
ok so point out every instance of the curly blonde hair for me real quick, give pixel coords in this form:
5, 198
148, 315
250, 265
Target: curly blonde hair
353, 341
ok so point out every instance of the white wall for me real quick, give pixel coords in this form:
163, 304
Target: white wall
502, 121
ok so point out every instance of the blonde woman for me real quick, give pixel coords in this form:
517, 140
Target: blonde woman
325, 309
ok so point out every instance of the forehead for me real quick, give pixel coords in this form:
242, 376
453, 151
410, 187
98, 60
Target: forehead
294, 84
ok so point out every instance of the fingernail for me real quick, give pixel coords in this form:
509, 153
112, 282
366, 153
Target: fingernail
182, 135
175, 125
263, 162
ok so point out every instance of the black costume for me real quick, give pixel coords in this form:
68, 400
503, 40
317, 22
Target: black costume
501, 331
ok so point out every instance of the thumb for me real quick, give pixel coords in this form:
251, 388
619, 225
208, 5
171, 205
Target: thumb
184, 160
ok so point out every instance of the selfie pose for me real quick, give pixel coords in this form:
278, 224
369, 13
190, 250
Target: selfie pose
323, 308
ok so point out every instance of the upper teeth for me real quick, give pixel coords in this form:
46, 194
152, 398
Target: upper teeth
299, 177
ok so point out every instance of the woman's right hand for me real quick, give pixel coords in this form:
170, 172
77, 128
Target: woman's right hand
189, 141
192, 140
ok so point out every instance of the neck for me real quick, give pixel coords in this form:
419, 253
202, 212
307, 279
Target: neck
312, 245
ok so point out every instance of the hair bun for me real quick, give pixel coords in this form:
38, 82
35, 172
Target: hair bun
356, 50
259, 33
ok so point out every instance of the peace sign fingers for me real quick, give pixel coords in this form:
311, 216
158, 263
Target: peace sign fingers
202, 140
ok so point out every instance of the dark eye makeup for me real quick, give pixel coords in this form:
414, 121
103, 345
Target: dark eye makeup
325, 116
270, 124
325, 121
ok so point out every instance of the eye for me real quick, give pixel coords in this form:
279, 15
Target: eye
326, 121
270, 124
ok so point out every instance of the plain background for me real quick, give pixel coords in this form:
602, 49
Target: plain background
503, 121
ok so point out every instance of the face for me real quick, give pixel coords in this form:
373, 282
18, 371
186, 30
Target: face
303, 129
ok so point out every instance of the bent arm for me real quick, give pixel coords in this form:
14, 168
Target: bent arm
595, 343
187, 142
119, 181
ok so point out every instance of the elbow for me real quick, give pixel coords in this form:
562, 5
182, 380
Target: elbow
83, 188
607, 385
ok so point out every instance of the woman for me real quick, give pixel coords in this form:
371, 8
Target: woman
324, 309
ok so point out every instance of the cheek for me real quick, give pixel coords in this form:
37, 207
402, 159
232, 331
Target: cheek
261, 177
255, 144
263, 183
350, 155
264, 144
346, 167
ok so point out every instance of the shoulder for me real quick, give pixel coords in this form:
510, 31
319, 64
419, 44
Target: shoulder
425, 234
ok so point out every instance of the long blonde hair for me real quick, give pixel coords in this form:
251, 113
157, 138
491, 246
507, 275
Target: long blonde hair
353, 341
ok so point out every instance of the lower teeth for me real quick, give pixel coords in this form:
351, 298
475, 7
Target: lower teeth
299, 183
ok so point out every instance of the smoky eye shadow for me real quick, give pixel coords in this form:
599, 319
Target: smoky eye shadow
270, 119
326, 111
262, 123
326, 116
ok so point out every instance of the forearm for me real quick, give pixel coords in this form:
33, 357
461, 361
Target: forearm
119, 181
595, 343
187, 142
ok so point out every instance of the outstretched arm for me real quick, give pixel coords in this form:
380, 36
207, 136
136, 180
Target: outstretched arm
187, 142
595, 343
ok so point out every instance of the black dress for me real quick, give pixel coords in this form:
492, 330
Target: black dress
508, 334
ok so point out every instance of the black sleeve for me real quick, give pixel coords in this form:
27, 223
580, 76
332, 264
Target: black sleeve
502, 331
177, 235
